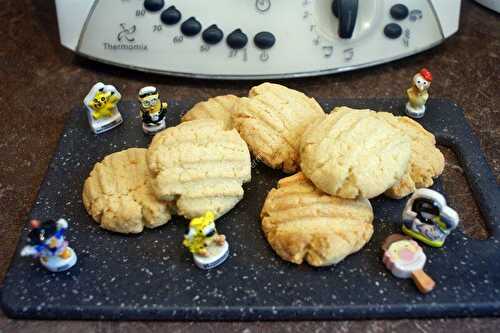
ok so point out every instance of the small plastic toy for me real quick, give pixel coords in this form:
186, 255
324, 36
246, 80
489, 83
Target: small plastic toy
405, 259
417, 94
209, 248
46, 241
426, 217
153, 110
102, 111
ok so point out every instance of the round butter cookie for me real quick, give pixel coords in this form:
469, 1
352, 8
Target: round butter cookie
118, 195
354, 153
426, 161
303, 223
199, 165
218, 108
271, 120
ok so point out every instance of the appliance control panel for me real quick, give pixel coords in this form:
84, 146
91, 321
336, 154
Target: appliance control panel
248, 39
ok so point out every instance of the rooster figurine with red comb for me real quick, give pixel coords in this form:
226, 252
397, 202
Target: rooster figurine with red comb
417, 94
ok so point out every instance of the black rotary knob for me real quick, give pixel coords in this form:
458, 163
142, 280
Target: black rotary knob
170, 16
264, 40
212, 35
154, 5
393, 30
399, 12
237, 39
346, 11
191, 27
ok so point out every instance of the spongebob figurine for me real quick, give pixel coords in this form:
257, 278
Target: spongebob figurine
209, 248
153, 110
102, 110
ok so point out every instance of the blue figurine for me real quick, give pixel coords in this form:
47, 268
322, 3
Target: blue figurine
46, 242
428, 218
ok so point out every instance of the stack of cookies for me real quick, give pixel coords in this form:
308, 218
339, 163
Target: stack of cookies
320, 214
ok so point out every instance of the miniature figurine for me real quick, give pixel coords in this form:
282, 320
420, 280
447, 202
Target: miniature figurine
417, 94
427, 218
102, 111
46, 241
153, 110
209, 248
405, 259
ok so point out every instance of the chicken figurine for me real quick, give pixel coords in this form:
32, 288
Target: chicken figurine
46, 242
428, 218
102, 110
417, 94
209, 248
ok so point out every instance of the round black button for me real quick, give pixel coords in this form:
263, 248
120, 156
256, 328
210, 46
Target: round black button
170, 16
399, 12
393, 30
237, 39
212, 35
191, 27
154, 5
264, 40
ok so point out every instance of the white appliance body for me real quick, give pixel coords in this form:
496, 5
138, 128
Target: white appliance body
491, 4
307, 42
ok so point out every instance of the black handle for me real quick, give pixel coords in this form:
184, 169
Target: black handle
478, 173
346, 11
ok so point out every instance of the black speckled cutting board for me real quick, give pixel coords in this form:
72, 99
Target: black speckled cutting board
151, 276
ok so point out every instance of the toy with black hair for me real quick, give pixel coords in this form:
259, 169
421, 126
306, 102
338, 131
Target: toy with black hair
47, 243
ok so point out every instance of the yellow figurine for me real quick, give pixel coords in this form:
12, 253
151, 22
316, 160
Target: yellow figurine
417, 94
209, 248
102, 110
153, 110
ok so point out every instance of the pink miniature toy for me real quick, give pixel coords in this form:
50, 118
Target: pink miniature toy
406, 259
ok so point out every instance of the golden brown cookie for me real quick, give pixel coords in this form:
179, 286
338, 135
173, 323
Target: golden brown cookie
199, 165
426, 161
271, 120
118, 195
303, 223
218, 108
354, 153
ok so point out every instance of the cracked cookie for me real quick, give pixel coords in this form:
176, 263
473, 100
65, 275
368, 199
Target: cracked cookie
426, 161
302, 223
217, 108
354, 153
271, 120
118, 195
200, 166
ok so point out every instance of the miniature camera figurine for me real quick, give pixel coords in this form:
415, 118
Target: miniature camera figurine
46, 242
426, 217
102, 110
417, 94
406, 259
209, 248
153, 110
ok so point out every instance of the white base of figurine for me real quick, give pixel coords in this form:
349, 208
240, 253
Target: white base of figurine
105, 124
216, 256
58, 264
415, 112
153, 129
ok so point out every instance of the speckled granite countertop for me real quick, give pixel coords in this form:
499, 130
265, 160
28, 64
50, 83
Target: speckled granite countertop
40, 82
